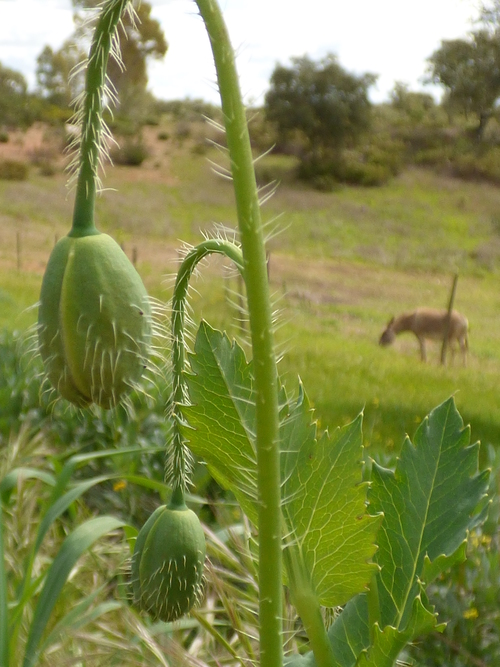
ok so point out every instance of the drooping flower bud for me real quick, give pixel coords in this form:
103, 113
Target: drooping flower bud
167, 565
94, 321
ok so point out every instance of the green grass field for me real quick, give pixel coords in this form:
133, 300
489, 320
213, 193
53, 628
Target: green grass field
340, 265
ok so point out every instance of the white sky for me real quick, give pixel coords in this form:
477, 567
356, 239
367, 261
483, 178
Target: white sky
391, 38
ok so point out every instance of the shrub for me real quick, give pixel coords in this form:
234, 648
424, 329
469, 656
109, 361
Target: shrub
4, 137
475, 164
131, 154
163, 136
182, 131
13, 170
200, 147
366, 173
47, 168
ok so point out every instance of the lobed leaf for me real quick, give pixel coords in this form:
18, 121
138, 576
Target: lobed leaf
324, 504
221, 418
388, 643
323, 497
429, 503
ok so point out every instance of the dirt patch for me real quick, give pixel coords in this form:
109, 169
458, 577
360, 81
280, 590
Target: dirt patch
39, 143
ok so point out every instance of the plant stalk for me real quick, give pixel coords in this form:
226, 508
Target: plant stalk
308, 608
92, 122
261, 329
177, 471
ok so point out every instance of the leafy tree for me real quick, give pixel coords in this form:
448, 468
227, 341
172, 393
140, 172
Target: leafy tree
14, 98
414, 105
322, 103
490, 15
469, 69
55, 81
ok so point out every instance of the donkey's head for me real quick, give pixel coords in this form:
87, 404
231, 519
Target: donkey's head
388, 335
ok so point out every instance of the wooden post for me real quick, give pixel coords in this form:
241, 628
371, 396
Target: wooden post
448, 318
18, 250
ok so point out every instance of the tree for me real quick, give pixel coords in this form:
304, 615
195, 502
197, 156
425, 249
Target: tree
490, 15
55, 81
414, 105
469, 69
140, 41
326, 105
14, 98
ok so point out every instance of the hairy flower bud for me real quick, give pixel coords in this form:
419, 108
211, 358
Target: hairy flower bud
167, 565
94, 321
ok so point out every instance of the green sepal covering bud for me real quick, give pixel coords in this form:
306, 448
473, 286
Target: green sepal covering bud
94, 321
167, 565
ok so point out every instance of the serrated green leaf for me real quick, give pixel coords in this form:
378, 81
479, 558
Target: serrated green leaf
349, 636
433, 568
429, 503
324, 499
222, 415
389, 641
324, 504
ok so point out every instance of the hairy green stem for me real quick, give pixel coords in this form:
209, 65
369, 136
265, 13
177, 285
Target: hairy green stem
259, 306
308, 608
177, 468
92, 123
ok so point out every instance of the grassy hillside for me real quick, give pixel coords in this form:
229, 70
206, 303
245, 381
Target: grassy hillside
341, 264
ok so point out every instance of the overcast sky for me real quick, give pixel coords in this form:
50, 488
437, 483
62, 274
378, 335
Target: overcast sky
390, 38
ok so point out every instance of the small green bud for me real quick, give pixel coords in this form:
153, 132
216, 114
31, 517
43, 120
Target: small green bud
167, 565
94, 321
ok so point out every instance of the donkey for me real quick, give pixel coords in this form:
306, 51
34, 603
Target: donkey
428, 323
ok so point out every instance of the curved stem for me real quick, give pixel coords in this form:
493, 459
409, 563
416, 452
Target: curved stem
177, 463
259, 306
92, 123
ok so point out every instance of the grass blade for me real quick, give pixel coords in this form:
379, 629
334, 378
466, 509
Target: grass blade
4, 612
71, 549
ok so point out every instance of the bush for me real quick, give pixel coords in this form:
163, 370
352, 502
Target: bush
478, 167
131, 154
366, 174
13, 170
163, 136
47, 168
4, 137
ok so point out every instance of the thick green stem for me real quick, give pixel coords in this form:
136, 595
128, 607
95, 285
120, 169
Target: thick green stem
177, 467
308, 608
92, 123
259, 306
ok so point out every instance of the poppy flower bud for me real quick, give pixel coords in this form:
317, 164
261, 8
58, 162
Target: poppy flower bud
168, 561
94, 321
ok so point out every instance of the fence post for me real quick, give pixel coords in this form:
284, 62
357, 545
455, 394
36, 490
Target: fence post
448, 318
